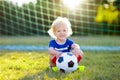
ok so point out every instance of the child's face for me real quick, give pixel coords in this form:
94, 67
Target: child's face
61, 32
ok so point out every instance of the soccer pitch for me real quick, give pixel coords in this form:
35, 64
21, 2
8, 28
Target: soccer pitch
27, 65
33, 65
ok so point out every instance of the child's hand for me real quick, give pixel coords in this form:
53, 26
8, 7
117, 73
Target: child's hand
58, 54
74, 51
77, 51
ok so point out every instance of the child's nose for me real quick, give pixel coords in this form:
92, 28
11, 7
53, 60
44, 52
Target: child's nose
62, 32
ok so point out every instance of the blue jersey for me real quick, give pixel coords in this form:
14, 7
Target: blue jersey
66, 47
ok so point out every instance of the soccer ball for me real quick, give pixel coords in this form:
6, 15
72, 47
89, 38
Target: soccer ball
67, 62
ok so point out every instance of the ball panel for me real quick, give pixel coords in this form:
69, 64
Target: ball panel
62, 70
69, 54
70, 64
60, 59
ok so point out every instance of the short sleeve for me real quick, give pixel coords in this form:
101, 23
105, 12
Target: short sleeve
51, 43
70, 42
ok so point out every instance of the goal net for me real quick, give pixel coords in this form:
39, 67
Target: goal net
34, 17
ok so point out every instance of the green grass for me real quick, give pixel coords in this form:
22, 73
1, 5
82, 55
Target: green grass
32, 65
27, 65
44, 40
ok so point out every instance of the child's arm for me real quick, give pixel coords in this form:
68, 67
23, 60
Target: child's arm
53, 52
76, 49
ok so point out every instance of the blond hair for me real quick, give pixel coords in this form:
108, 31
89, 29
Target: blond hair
57, 22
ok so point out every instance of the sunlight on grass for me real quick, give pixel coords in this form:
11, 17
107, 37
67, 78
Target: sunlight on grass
34, 66
18, 64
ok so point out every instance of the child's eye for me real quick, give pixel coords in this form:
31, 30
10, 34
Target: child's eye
58, 31
64, 30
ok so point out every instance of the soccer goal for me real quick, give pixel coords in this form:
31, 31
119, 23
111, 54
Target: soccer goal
24, 23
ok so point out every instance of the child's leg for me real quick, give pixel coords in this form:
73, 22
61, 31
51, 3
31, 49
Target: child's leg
79, 57
78, 54
53, 60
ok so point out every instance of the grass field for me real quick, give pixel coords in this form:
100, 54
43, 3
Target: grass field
33, 65
16, 65
43, 40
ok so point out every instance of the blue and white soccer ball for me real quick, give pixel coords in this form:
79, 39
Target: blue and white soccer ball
67, 62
